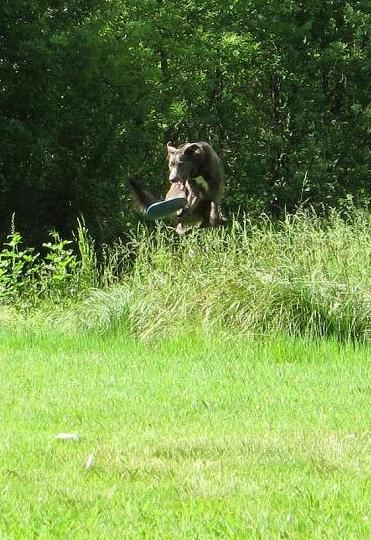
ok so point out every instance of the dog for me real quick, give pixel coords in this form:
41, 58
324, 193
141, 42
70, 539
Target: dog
195, 171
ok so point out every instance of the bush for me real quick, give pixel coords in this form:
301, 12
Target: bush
26, 277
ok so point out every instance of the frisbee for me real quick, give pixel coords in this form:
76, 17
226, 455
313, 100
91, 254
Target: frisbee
163, 209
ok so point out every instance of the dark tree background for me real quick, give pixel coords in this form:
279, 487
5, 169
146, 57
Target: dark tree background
90, 92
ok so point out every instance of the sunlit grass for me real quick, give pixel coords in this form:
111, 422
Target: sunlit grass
190, 438
303, 276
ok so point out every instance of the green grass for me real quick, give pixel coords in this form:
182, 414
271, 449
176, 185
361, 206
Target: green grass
265, 439
253, 429
303, 277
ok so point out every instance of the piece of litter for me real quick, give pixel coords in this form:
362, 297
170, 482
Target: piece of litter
90, 461
67, 436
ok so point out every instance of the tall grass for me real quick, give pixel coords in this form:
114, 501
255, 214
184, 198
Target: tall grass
303, 276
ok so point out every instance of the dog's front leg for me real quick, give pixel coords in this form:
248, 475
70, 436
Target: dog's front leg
194, 196
193, 199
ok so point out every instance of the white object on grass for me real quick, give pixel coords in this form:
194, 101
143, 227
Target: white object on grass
67, 436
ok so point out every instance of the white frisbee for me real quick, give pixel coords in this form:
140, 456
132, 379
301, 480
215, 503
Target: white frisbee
163, 209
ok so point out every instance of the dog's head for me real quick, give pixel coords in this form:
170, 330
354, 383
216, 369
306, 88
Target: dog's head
184, 162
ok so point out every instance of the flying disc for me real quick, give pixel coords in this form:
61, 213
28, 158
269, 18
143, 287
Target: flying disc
163, 209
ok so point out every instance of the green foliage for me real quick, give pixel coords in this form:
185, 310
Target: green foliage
91, 92
17, 269
59, 261
27, 277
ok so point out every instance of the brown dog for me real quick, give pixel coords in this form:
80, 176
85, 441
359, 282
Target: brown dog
197, 172
199, 169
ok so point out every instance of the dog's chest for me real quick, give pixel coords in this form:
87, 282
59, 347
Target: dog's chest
201, 183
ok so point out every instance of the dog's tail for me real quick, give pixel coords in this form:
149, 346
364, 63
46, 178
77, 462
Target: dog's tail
143, 198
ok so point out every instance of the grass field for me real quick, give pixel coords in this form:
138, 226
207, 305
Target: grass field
241, 439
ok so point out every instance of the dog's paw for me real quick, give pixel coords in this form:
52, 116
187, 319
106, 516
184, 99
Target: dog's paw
181, 229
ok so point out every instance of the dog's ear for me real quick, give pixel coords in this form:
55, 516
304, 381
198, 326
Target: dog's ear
194, 149
171, 149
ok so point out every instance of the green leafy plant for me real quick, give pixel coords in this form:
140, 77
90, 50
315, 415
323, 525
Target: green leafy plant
17, 269
60, 265
27, 277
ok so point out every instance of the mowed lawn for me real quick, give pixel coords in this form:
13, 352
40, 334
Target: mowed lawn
184, 439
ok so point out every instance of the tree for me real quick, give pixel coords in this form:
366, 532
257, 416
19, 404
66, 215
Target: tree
91, 91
